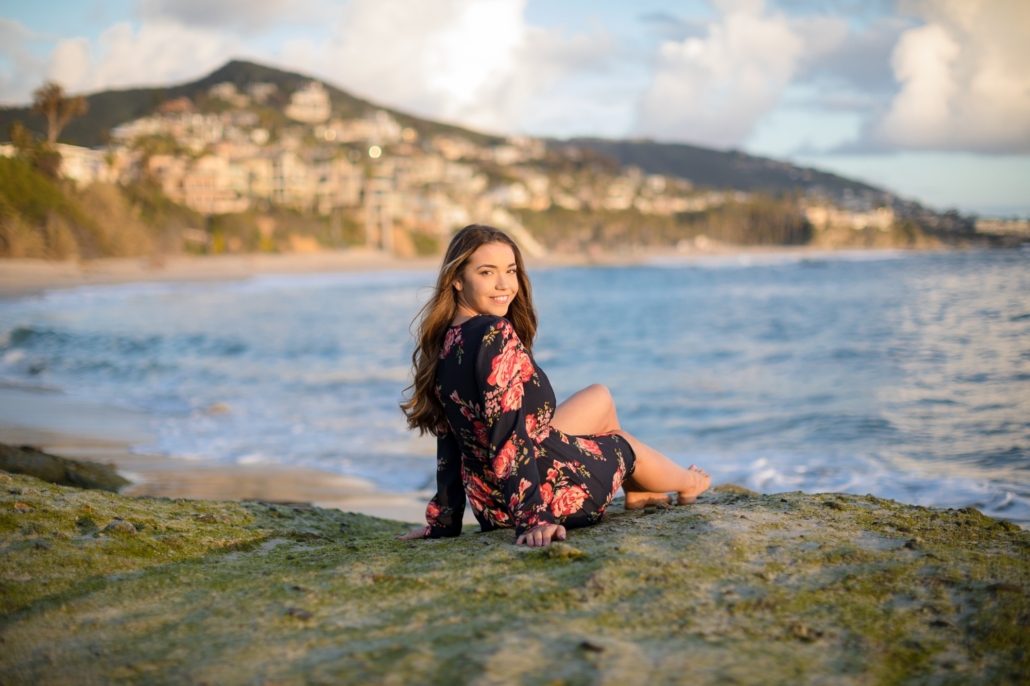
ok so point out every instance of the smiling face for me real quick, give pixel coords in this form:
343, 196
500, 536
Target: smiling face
489, 281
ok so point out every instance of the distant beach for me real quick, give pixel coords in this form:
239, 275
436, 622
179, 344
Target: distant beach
19, 277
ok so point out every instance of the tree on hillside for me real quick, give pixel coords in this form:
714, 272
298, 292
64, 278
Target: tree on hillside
21, 139
59, 109
43, 156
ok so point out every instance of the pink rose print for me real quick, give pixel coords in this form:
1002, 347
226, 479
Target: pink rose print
547, 493
538, 430
453, 338
588, 446
432, 513
506, 366
480, 430
568, 500
479, 494
511, 399
504, 461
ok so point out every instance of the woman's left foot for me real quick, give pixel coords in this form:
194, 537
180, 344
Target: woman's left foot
701, 483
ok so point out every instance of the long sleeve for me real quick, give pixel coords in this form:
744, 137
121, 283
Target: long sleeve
446, 509
502, 368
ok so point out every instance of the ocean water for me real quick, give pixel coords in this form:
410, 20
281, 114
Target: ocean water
898, 374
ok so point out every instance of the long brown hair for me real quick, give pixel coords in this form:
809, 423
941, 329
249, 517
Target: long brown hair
423, 408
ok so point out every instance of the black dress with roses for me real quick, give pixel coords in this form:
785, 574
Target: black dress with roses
499, 448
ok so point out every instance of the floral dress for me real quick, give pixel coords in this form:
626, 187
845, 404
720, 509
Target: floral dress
499, 447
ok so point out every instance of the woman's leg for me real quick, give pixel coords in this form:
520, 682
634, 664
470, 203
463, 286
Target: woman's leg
655, 473
586, 412
592, 411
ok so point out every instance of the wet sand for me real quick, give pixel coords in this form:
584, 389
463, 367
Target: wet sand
21, 277
57, 424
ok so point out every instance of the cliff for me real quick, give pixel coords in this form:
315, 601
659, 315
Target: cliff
738, 588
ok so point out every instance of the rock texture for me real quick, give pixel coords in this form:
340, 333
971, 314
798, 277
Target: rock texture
738, 588
59, 470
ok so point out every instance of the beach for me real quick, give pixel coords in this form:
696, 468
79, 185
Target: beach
241, 377
108, 435
19, 277
50, 421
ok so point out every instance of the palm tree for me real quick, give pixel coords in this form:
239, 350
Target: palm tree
51, 101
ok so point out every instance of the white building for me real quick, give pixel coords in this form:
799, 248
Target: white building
81, 165
213, 185
822, 217
309, 104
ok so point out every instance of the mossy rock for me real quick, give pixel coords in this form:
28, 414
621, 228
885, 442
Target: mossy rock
59, 470
737, 588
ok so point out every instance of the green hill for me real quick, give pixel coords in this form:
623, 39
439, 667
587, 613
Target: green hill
703, 166
724, 169
108, 109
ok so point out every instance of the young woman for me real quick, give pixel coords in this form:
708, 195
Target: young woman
522, 461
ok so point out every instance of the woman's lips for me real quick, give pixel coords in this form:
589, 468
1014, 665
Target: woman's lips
499, 298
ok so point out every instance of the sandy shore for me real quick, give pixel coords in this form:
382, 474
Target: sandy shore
70, 428
21, 277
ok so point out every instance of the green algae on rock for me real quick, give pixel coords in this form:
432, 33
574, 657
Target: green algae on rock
741, 588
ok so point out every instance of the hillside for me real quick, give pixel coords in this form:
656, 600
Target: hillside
108, 109
725, 169
705, 167
204, 167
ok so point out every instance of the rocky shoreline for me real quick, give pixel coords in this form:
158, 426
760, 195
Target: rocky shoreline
739, 588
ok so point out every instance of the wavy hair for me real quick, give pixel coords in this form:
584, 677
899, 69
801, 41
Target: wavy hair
423, 408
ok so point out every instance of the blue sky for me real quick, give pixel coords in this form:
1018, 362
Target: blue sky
930, 98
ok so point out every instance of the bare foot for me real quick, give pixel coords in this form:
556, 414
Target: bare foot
701, 483
638, 500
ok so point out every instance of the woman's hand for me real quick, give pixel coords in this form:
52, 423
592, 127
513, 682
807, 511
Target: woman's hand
542, 535
420, 532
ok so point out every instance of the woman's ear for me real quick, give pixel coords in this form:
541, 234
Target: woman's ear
457, 285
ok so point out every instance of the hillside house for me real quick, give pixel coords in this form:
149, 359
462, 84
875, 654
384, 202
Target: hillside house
309, 104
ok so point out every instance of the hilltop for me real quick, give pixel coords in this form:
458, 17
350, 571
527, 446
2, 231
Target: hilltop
251, 158
109, 109
726, 168
704, 167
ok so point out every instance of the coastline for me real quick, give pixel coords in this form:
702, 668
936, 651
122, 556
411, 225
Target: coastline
56, 424
26, 277
50, 420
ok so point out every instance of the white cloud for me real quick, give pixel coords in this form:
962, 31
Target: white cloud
713, 90
20, 70
475, 62
965, 79
159, 52
247, 15
70, 63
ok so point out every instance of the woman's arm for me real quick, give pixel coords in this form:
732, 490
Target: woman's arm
502, 368
445, 511
447, 507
